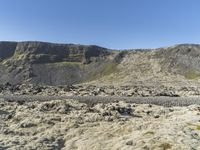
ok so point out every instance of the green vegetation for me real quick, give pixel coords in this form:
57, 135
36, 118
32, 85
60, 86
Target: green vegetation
165, 146
196, 126
192, 74
149, 133
109, 68
104, 69
75, 55
64, 63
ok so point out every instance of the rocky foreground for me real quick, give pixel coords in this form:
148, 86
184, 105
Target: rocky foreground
69, 124
101, 90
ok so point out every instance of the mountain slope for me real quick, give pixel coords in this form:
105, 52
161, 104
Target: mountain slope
170, 65
52, 64
58, 64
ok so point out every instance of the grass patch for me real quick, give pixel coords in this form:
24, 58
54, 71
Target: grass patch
65, 63
165, 146
195, 126
192, 74
105, 69
75, 55
109, 68
100, 71
149, 133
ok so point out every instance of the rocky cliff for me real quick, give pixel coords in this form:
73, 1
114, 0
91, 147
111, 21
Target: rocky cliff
52, 64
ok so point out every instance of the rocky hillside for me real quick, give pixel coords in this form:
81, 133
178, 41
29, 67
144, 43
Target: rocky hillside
176, 65
51, 64
61, 64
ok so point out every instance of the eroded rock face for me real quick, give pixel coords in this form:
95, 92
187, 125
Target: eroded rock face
7, 49
50, 64
41, 52
66, 124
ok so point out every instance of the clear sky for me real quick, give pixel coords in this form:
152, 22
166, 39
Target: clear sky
118, 24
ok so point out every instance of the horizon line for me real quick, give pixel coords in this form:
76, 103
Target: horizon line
65, 43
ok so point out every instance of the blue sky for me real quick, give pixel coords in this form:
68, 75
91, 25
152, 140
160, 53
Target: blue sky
118, 24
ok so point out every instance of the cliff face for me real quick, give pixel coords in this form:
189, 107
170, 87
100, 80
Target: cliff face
7, 49
40, 52
47, 63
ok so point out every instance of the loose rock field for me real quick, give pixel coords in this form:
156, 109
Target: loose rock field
70, 124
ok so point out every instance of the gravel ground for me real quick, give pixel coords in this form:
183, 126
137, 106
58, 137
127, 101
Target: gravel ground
162, 101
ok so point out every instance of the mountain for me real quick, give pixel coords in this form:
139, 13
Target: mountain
51, 64
64, 64
175, 65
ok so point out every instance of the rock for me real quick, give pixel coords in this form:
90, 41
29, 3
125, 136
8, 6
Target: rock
27, 125
129, 143
67, 88
47, 106
124, 110
64, 109
156, 116
80, 125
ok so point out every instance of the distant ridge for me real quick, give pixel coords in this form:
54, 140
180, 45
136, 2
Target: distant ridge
54, 64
